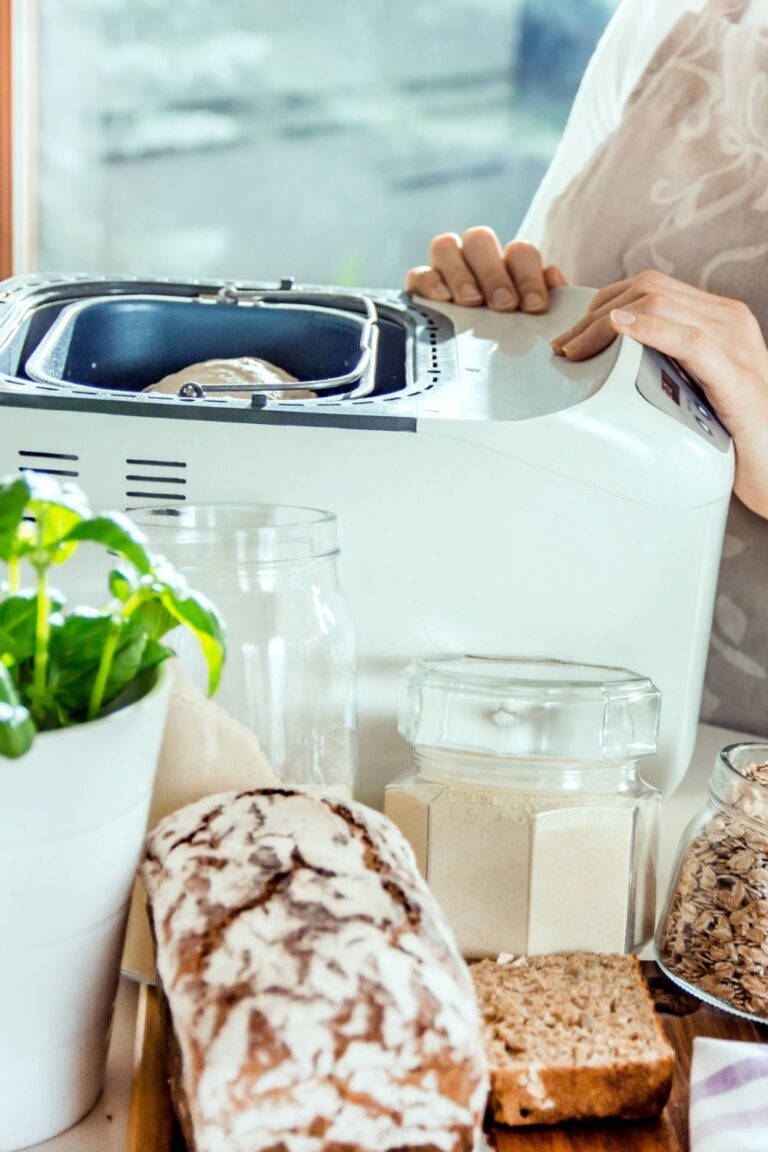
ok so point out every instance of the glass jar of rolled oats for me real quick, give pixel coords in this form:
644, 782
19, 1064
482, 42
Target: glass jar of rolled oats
712, 937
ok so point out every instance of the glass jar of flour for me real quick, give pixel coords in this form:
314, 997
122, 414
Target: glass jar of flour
524, 805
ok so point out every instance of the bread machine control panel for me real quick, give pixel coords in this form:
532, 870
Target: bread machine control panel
666, 384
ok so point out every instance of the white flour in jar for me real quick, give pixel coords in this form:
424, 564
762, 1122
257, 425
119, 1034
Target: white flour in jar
522, 872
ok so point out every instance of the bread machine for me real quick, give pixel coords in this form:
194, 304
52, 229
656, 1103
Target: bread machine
492, 498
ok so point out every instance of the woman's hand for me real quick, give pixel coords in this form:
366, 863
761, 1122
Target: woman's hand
716, 339
474, 271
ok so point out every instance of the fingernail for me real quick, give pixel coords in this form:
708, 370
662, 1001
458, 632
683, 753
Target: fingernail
619, 316
569, 347
469, 294
441, 292
532, 301
502, 298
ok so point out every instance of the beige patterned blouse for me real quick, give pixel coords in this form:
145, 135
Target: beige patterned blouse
687, 171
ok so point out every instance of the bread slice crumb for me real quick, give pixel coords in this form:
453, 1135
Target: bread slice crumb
571, 1037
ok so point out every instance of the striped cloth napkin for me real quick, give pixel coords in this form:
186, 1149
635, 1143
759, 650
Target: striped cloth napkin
729, 1096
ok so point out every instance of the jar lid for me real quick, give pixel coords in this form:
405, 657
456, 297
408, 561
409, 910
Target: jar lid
529, 709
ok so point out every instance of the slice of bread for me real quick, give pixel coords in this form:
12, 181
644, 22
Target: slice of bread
571, 1037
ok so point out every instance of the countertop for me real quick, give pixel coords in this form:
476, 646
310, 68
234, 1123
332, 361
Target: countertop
104, 1129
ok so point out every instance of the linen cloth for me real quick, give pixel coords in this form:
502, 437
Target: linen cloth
729, 1096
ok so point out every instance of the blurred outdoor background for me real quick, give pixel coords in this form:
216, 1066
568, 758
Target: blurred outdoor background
323, 139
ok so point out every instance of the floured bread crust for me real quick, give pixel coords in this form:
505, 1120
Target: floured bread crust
236, 370
317, 997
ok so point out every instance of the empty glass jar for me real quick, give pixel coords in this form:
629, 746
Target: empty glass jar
290, 669
524, 805
713, 933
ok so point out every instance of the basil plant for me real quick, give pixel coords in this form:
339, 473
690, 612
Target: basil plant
62, 665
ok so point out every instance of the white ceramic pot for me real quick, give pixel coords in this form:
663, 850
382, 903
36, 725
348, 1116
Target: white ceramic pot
73, 813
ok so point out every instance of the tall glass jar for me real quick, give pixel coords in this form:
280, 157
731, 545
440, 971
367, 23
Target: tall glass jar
290, 669
524, 805
712, 936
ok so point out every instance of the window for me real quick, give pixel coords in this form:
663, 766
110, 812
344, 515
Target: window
6, 221
322, 139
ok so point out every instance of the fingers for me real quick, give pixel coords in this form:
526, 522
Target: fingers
446, 257
426, 281
472, 270
587, 341
526, 269
647, 283
651, 292
707, 357
482, 252
554, 278
668, 336
594, 332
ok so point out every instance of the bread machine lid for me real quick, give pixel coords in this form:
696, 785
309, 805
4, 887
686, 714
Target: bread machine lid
507, 369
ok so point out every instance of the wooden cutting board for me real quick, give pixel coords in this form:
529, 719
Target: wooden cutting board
152, 1125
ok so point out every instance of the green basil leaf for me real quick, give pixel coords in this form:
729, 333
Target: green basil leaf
155, 654
17, 730
116, 532
14, 496
196, 613
127, 660
18, 616
79, 637
17, 626
75, 655
45, 491
141, 684
57, 508
155, 618
122, 583
45, 521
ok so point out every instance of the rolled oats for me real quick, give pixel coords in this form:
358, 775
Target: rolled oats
714, 931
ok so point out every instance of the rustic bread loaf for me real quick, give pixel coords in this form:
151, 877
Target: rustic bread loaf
571, 1037
316, 996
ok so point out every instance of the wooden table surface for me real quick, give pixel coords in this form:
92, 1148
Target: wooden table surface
152, 1126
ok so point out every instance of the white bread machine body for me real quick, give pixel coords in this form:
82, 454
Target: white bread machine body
540, 508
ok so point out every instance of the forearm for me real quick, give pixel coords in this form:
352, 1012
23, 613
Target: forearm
751, 444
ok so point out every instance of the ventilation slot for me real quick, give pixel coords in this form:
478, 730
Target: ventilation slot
156, 481
51, 463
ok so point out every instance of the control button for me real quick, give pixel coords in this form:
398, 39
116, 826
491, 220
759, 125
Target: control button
703, 424
704, 411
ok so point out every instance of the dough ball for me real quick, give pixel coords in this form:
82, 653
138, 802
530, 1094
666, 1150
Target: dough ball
237, 370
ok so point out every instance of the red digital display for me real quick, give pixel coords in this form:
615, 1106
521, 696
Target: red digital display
670, 386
